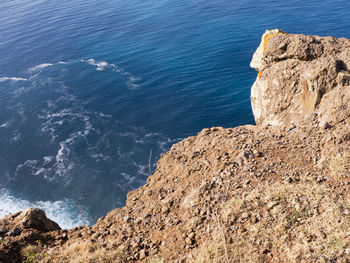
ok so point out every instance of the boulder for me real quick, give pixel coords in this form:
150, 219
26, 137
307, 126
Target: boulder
300, 76
32, 218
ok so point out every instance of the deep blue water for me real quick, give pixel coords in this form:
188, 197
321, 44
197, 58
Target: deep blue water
89, 89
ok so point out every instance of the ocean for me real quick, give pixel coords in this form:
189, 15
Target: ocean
93, 92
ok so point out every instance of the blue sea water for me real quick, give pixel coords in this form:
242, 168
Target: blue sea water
90, 90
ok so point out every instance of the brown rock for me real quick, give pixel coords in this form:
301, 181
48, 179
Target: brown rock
300, 75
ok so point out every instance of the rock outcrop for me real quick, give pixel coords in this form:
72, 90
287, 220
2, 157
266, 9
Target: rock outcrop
301, 76
264, 193
21, 230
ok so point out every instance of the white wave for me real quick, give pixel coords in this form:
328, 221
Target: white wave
12, 79
41, 66
16, 136
5, 125
99, 157
63, 212
100, 65
48, 159
62, 62
62, 162
142, 169
130, 179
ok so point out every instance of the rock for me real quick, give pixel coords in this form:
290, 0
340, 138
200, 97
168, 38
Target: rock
36, 218
298, 76
3, 231
188, 241
33, 218
191, 235
142, 254
271, 205
14, 232
127, 219
324, 125
245, 215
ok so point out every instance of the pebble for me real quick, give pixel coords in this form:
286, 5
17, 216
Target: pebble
245, 215
188, 241
324, 125
14, 232
3, 231
271, 205
191, 235
127, 219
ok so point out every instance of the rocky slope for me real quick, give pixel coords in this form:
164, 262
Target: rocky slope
265, 193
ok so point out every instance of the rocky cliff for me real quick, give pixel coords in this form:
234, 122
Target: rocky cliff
275, 192
300, 76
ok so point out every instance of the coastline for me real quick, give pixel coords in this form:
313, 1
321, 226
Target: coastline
253, 193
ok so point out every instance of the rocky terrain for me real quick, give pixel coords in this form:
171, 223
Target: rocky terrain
275, 192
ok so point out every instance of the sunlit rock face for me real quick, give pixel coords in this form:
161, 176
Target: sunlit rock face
300, 77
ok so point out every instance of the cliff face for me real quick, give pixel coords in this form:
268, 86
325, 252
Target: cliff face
300, 76
246, 194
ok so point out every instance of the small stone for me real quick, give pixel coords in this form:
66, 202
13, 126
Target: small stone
165, 210
191, 235
134, 244
245, 215
188, 241
246, 169
3, 231
248, 154
255, 219
324, 125
247, 182
138, 220
271, 205
230, 240
266, 251
127, 219
14, 232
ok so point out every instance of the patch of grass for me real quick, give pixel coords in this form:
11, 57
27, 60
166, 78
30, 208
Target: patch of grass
230, 207
35, 253
213, 251
296, 223
87, 251
339, 164
156, 260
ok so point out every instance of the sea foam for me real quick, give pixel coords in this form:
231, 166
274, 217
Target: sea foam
64, 212
41, 66
12, 79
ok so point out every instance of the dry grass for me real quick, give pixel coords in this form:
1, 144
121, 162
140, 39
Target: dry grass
340, 164
86, 251
287, 223
156, 260
211, 251
34, 253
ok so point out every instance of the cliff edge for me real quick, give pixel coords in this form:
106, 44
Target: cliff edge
300, 76
275, 192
